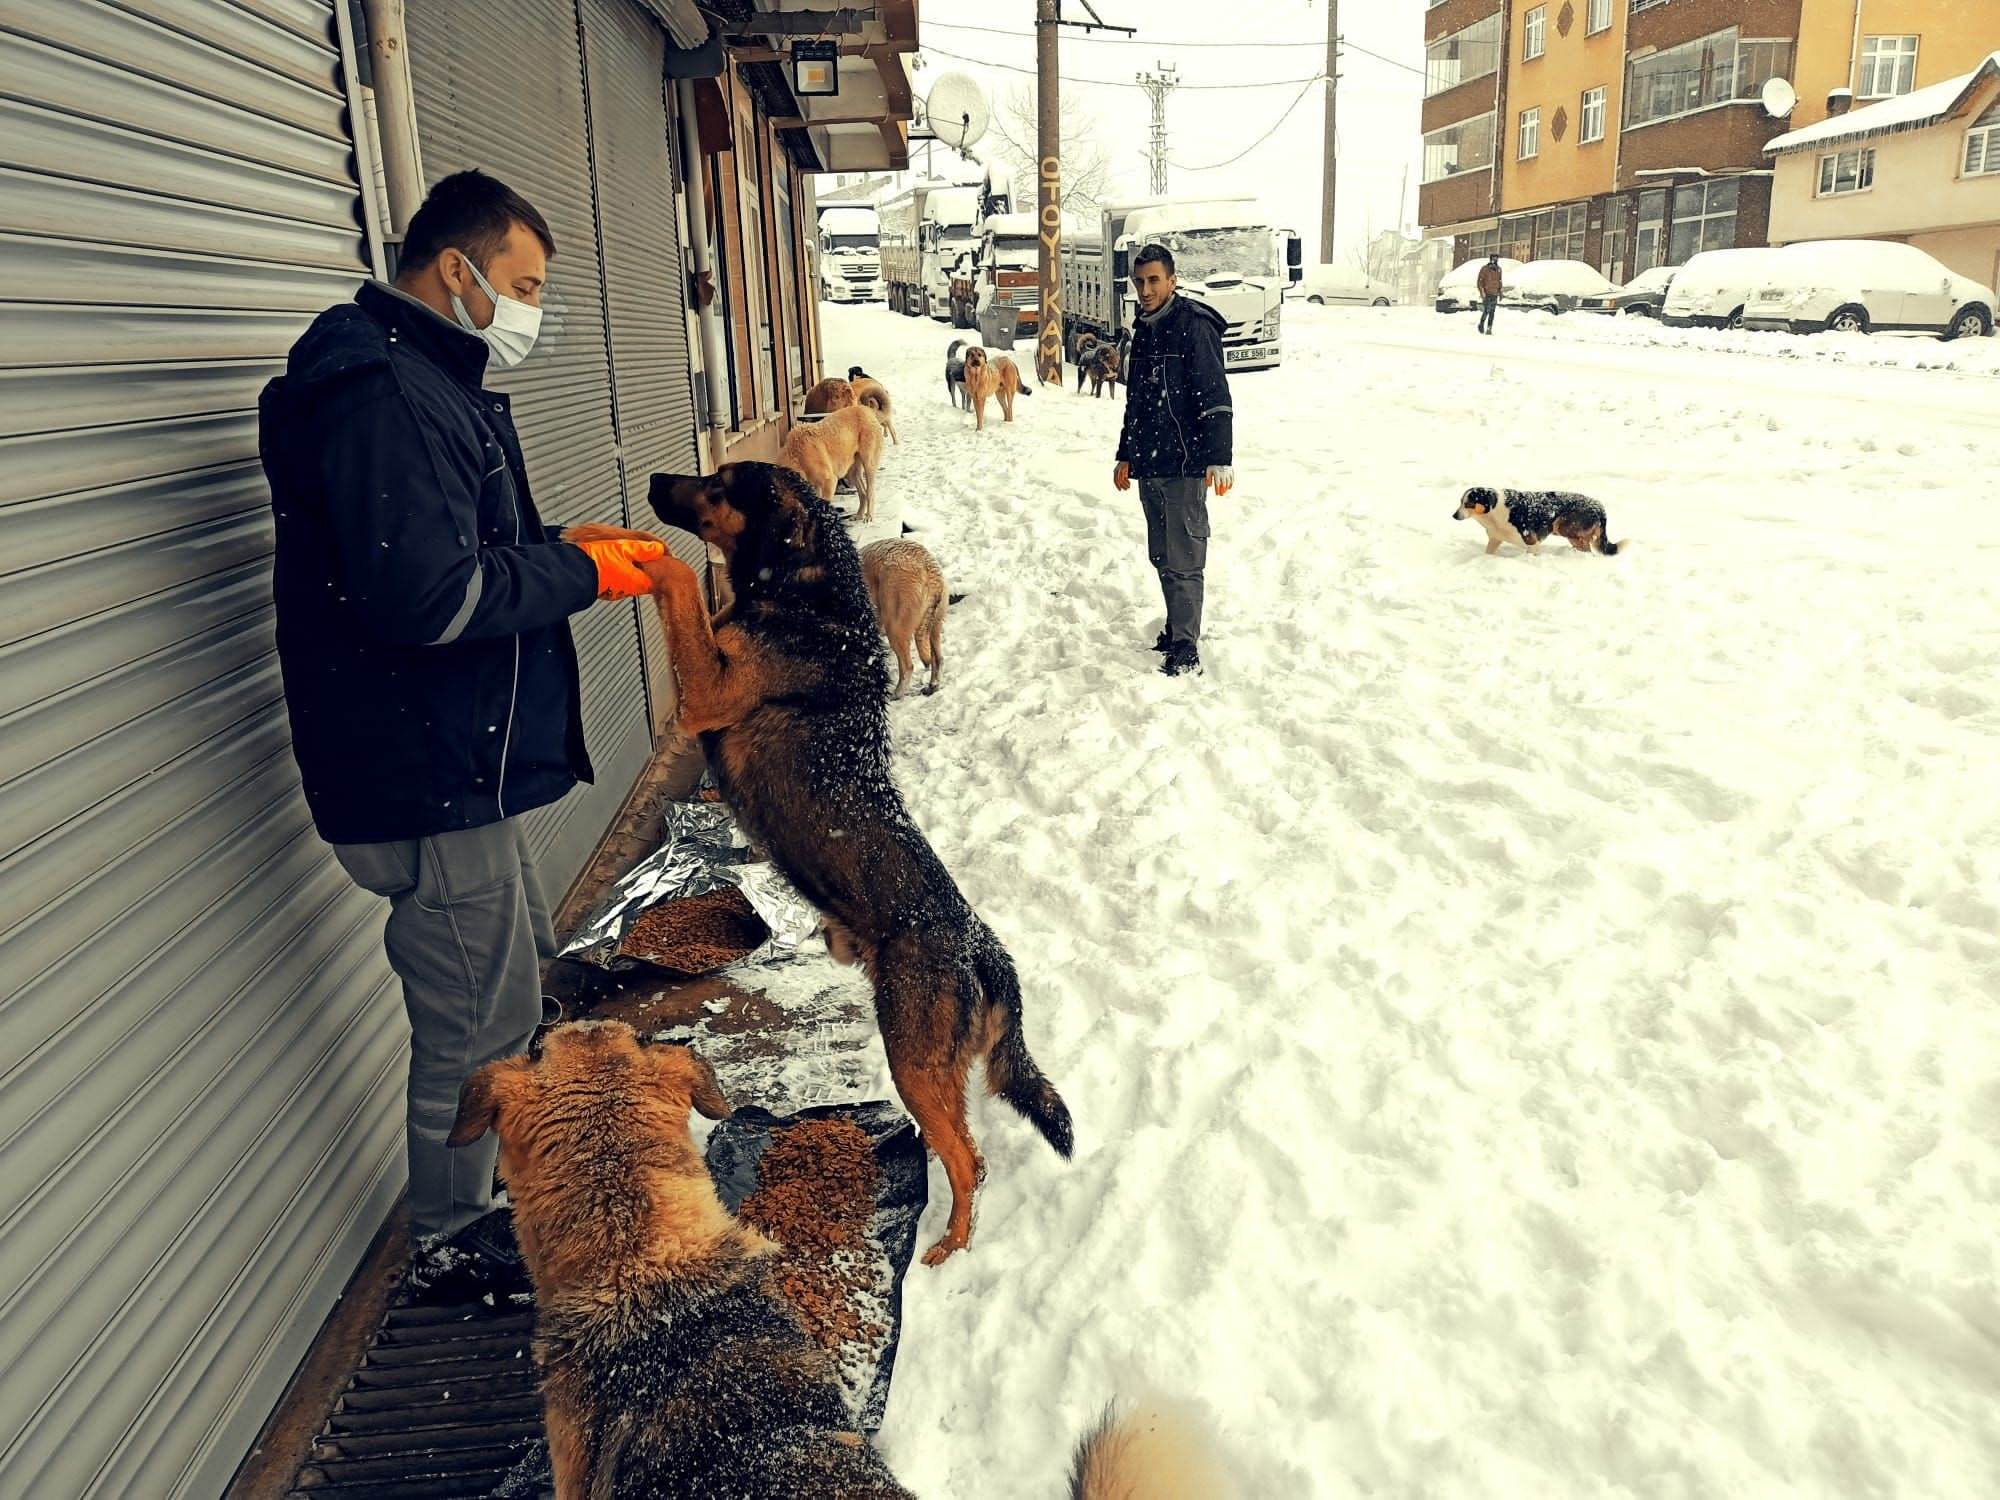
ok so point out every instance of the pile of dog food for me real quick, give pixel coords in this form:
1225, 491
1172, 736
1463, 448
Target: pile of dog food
696, 934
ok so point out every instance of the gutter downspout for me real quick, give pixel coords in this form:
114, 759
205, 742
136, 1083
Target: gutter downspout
395, 113
704, 264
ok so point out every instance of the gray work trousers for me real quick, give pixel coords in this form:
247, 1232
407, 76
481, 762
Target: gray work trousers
468, 933
1177, 544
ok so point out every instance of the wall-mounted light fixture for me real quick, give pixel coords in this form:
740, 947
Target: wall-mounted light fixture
815, 68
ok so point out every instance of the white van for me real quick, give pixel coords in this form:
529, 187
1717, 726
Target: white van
1713, 289
1344, 286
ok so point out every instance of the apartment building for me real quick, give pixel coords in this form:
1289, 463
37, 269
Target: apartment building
1633, 133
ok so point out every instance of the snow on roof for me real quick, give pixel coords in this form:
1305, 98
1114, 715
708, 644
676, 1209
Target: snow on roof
1913, 111
1014, 226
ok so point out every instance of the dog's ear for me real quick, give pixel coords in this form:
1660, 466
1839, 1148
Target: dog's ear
685, 1073
486, 1096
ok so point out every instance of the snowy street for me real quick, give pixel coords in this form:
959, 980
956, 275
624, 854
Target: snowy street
1530, 1020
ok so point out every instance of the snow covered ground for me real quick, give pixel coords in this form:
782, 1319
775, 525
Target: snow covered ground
1531, 1021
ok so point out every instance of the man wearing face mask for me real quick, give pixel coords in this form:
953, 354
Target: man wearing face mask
422, 624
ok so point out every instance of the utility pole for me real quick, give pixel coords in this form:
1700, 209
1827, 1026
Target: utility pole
1332, 93
1157, 86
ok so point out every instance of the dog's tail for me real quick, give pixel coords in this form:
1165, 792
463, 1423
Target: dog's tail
954, 598
1155, 1449
1605, 545
878, 403
1010, 1072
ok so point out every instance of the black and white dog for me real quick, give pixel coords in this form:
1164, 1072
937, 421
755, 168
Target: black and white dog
954, 375
1527, 517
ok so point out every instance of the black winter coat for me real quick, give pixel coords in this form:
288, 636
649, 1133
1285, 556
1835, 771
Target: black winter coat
422, 605
1178, 419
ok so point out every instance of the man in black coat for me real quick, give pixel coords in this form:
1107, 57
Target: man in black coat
1177, 441
422, 623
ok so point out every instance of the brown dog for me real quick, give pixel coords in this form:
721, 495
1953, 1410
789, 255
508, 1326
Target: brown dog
831, 394
846, 445
1100, 363
907, 589
982, 381
790, 700
1008, 385
874, 395
670, 1363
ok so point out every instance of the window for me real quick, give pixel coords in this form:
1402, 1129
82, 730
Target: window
1531, 133
1713, 70
1558, 233
1888, 66
790, 271
1612, 256
1758, 62
1593, 117
1599, 18
1704, 219
1464, 147
1650, 242
1982, 144
1534, 33
1846, 172
1462, 56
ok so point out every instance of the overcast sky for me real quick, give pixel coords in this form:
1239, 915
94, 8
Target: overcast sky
1232, 96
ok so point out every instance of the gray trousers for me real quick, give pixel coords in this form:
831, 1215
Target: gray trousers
1486, 307
1177, 544
468, 932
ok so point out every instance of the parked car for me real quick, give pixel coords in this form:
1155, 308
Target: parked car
1868, 286
1712, 290
1459, 291
1553, 286
1344, 286
1638, 298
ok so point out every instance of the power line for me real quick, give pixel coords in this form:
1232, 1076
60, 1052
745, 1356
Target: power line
1346, 45
1114, 83
1289, 108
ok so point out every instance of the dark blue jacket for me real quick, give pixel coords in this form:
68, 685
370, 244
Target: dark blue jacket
1177, 414
422, 605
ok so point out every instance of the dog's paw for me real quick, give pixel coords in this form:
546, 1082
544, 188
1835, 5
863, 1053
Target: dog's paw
944, 1250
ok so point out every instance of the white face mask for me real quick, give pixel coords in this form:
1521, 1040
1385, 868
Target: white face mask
512, 332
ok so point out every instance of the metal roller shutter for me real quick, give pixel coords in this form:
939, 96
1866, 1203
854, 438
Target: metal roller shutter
644, 284
471, 103
200, 1099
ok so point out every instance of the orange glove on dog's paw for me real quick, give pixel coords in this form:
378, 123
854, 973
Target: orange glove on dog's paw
617, 577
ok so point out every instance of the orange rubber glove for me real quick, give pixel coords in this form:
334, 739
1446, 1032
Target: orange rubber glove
617, 578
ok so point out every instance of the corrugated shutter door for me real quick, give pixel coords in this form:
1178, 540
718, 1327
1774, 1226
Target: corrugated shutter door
200, 1095
481, 73
645, 287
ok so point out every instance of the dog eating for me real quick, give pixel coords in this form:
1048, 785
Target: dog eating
831, 394
906, 586
1527, 518
790, 702
846, 445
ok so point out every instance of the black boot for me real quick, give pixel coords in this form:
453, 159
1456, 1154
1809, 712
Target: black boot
1163, 643
1182, 658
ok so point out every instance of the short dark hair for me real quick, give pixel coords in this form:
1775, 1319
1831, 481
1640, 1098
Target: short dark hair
472, 213
1153, 254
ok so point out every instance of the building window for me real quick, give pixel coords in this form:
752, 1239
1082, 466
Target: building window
1558, 233
1758, 62
1464, 147
1462, 56
1712, 70
1649, 242
1593, 117
1599, 18
1534, 33
791, 274
761, 398
1843, 172
1531, 133
1888, 66
1982, 144
1704, 219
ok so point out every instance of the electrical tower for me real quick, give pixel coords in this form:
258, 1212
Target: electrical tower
1157, 86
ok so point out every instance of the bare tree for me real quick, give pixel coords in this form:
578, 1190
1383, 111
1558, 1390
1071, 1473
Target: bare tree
1086, 172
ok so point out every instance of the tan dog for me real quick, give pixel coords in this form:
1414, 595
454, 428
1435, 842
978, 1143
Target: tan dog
874, 395
831, 394
846, 445
670, 1362
982, 382
1008, 376
907, 589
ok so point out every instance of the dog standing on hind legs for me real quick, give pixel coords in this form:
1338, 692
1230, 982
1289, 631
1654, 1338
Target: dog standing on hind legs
790, 702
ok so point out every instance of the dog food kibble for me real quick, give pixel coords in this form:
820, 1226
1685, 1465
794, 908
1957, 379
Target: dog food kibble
697, 934
816, 1186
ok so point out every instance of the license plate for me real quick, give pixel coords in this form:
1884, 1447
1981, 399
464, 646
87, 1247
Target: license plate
1248, 354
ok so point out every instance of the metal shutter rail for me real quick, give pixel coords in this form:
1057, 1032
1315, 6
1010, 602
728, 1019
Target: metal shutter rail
200, 1104
469, 114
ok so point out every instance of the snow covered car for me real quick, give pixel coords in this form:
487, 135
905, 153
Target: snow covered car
1459, 291
1344, 286
1552, 286
1639, 298
1868, 286
1712, 289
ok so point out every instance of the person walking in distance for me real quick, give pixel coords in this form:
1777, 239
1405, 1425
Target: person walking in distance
1177, 443
1489, 292
423, 633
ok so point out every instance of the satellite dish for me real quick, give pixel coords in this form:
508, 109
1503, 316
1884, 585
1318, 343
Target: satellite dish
1780, 99
956, 111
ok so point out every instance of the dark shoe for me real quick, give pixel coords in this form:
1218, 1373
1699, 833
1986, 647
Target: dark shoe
1182, 658
1163, 643
482, 1259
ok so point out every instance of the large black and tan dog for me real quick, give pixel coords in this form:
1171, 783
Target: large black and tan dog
790, 701
670, 1363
